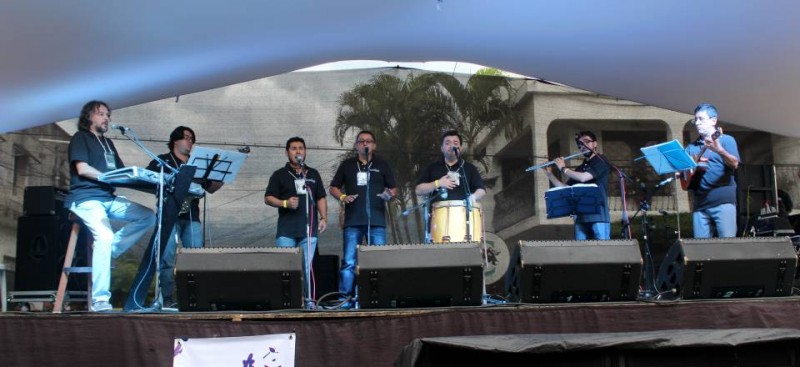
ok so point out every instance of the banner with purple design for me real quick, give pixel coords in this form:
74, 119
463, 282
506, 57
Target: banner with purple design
276, 350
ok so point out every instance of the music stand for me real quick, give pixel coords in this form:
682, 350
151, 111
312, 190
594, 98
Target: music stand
571, 200
665, 158
216, 164
668, 157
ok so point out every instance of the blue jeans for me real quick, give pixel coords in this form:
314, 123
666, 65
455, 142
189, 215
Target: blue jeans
351, 237
308, 257
722, 217
96, 216
593, 231
191, 236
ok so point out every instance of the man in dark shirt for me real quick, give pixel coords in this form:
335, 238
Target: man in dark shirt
451, 178
362, 184
593, 170
187, 229
714, 204
298, 193
90, 155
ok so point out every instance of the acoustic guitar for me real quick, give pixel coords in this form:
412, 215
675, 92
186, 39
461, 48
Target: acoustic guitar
690, 180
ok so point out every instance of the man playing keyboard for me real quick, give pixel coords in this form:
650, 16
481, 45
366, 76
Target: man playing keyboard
91, 154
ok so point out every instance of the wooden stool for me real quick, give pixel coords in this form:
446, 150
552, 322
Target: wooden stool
69, 269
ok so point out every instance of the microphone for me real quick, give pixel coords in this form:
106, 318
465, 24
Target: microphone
366, 151
455, 151
299, 159
121, 128
664, 182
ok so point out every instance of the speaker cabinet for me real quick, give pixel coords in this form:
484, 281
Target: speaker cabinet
577, 271
43, 200
41, 246
729, 268
241, 279
420, 275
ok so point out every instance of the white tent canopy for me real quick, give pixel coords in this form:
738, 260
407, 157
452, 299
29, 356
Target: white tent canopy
742, 55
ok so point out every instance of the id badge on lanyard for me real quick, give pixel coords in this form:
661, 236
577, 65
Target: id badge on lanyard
300, 186
111, 161
361, 179
455, 176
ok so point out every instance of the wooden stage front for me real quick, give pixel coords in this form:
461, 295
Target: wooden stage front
356, 337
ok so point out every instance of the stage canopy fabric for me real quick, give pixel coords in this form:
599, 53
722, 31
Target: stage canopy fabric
742, 55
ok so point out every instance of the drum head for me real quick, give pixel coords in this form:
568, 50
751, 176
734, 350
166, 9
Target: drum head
447, 203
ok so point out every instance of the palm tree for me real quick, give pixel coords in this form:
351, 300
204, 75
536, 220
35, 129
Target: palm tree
408, 116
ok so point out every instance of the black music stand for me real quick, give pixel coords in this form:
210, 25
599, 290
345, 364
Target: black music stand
216, 164
571, 200
665, 158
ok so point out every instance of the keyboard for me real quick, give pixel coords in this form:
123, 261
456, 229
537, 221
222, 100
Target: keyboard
142, 179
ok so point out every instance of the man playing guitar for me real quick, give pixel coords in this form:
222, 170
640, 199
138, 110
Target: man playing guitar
717, 155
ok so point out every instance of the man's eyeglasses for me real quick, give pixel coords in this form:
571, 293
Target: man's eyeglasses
365, 141
587, 141
189, 138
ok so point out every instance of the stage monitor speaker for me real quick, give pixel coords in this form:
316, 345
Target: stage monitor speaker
43, 200
577, 271
420, 275
729, 268
239, 279
41, 246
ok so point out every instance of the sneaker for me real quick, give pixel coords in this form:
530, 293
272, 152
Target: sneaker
101, 306
170, 307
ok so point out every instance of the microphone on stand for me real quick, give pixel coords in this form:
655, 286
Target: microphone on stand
299, 159
121, 128
366, 151
455, 151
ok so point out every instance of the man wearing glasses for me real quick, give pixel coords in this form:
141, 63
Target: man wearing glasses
362, 184
717, 156
594, 170
187, 229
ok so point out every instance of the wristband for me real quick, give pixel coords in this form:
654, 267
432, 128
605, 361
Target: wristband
342, 196
436, 183
284, 203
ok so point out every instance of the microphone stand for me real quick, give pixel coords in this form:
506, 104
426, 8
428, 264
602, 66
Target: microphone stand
468, 235
369, 201
648, 274
309, 227
131, 135
426, 214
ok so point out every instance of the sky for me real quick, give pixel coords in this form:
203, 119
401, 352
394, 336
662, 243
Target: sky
441, 66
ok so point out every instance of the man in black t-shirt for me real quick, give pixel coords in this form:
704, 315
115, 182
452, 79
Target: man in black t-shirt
187, 228
594, 170
362, 184
451, 178
298, 193
90, 155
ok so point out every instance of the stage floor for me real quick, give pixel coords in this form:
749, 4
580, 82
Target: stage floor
356, 337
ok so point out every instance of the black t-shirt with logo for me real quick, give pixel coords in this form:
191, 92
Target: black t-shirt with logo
380, 177
292, 222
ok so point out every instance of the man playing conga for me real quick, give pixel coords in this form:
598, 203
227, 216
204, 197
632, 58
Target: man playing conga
451, 180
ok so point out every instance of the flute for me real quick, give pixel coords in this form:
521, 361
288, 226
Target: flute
534, 168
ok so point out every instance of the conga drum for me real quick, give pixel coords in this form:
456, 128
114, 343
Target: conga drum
449, 222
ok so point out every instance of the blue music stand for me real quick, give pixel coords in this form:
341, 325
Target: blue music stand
668, 157
570, 200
